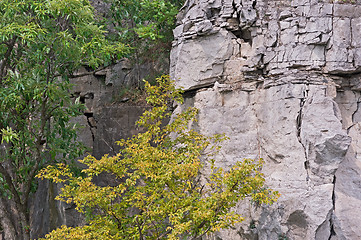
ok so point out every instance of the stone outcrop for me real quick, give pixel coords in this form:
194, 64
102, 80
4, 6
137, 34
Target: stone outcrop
282, 80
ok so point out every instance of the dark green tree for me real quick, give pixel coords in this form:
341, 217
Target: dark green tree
146, 26
42, 42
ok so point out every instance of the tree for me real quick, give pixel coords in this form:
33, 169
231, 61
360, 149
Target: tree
147, 19
147, 27
42, 42
160, 191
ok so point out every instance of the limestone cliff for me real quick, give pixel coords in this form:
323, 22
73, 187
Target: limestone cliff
282, 80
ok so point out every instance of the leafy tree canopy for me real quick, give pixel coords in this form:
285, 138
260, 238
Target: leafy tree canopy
42, 42
153, 19
161, 193
145, 25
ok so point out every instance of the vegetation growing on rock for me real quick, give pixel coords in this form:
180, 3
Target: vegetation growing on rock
161, 193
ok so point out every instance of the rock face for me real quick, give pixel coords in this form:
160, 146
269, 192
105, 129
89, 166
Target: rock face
282, 80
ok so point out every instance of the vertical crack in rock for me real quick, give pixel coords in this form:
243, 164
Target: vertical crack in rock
351, 44
325, 229
332, 230
91, 122
89, 114
354, 115
82, 98
299, 126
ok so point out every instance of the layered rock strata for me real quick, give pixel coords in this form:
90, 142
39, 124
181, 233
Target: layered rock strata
281, 80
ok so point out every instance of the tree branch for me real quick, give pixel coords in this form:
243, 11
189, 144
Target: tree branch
11, 187
5, 61
39, 145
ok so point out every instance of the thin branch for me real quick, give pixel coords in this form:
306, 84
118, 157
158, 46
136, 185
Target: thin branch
120, 226
39, 146
48, 116
31, 176
140, 228
204, 233
164, 234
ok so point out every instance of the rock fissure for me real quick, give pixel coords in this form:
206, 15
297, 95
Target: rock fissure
299, 129
353, 116
332, 230
91, 123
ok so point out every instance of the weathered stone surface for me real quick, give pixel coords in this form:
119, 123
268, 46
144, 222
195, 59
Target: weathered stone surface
348, 181
127, 74
204, 63
263, 123
308, 35
285, 88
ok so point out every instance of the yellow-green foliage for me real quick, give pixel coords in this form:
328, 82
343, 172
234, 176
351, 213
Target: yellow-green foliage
160, 194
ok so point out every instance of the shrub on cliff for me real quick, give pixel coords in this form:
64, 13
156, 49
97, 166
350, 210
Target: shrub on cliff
161, 193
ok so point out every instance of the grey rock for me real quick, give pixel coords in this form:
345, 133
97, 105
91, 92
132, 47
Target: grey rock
285, 14
247, 17
356, 32
323, 25
276, 96
178, 31
203, 27
203, 60
346, 10
357, 58
347, 187
325, 145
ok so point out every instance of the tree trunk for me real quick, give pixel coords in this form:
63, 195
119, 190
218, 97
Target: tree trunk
7, 227
14, 221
